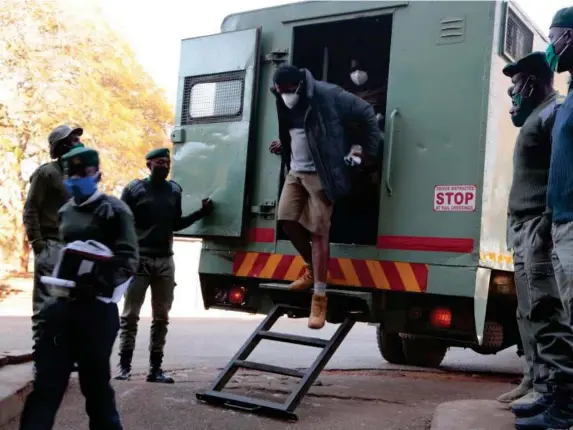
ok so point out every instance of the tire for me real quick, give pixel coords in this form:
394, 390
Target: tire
390, 346
422, 351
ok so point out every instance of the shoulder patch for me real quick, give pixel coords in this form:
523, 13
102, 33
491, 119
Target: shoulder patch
136, 187
175, 187
117, 204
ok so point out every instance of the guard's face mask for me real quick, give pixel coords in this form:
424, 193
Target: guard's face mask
82, 187
553, 57
359, 77
523, 103
159, 172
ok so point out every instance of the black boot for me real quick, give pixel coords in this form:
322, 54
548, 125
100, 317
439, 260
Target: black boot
156, 374
124, 367
526, 410
559, 415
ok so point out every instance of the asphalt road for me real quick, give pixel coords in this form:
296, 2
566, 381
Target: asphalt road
204, 343
380, 396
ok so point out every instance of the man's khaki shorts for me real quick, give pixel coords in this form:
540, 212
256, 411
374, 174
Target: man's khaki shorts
303, 200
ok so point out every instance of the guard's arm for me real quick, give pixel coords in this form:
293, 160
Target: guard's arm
354, 109
126, 249
126, 196
182, 222
32, 207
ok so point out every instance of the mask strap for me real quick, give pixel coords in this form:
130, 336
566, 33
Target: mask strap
530, 79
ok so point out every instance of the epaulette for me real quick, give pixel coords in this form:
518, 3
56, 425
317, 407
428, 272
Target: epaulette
175, 186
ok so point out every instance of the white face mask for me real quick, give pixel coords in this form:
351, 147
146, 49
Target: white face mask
290, 99
359, 77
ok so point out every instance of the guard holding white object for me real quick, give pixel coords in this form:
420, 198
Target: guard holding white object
99, 259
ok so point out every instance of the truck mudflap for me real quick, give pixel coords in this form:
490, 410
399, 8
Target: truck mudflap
343, 272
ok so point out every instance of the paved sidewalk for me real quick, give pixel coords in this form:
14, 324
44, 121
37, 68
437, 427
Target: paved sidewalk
15, 383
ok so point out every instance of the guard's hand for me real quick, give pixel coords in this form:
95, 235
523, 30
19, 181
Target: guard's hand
38, 246
207, 206
275, 147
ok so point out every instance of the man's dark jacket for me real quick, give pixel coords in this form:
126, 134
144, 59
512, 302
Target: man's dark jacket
331, 112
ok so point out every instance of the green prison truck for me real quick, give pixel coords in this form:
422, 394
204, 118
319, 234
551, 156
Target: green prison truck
426, 259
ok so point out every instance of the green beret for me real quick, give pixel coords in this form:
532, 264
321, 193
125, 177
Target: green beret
157, 153
81, 156
563, 18
533, 64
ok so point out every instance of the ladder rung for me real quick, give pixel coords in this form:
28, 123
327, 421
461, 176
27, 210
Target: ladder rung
269, 368
293, 338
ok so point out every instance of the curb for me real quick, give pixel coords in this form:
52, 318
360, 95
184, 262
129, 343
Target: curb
16, 381
472, 415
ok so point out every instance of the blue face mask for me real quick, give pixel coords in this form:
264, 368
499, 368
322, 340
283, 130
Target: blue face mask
81, 188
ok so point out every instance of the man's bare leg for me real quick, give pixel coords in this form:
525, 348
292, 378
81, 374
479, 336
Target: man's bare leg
320, 257
300, 238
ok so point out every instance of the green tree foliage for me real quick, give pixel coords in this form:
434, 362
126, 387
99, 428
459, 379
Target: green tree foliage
60, 66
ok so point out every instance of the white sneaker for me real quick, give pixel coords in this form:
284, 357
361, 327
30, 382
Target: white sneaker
530, 397
518, 392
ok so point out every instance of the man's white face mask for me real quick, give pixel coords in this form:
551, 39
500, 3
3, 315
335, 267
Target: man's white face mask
290, 99
359, 77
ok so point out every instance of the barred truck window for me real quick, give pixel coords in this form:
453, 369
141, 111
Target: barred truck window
518, 38
213, 98
216, 99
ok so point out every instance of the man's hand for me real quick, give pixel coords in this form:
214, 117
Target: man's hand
207, 206
275, 147
356, 151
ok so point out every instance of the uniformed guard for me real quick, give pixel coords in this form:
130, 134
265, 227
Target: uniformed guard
555, 409
46, 196
534, 105
79, 325
156, 206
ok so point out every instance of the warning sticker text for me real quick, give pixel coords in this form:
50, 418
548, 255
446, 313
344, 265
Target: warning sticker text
455, 198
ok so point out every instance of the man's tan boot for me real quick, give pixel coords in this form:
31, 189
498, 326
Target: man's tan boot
305, 281
317, 312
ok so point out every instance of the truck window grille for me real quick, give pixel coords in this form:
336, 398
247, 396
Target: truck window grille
518, 37
213, 98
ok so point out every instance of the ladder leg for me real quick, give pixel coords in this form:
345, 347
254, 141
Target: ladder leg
314, 370
250, 344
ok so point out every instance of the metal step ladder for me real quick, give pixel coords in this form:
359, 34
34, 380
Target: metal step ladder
215, 395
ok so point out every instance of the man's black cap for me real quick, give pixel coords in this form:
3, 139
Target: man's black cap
288, 74
533, 64
563, 18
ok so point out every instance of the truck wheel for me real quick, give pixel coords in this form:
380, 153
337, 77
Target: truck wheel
422, 351
390, 346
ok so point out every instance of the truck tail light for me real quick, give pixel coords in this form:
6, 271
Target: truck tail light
441, 318
236, 295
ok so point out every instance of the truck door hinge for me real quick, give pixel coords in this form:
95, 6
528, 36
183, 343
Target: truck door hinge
277, 57
265, 210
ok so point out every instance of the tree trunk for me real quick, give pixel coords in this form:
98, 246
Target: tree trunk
24, 254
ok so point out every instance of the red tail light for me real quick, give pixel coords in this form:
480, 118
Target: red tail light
441, 318
236, 295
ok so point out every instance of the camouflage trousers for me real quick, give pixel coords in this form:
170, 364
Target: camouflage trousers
159, 274
44, 263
